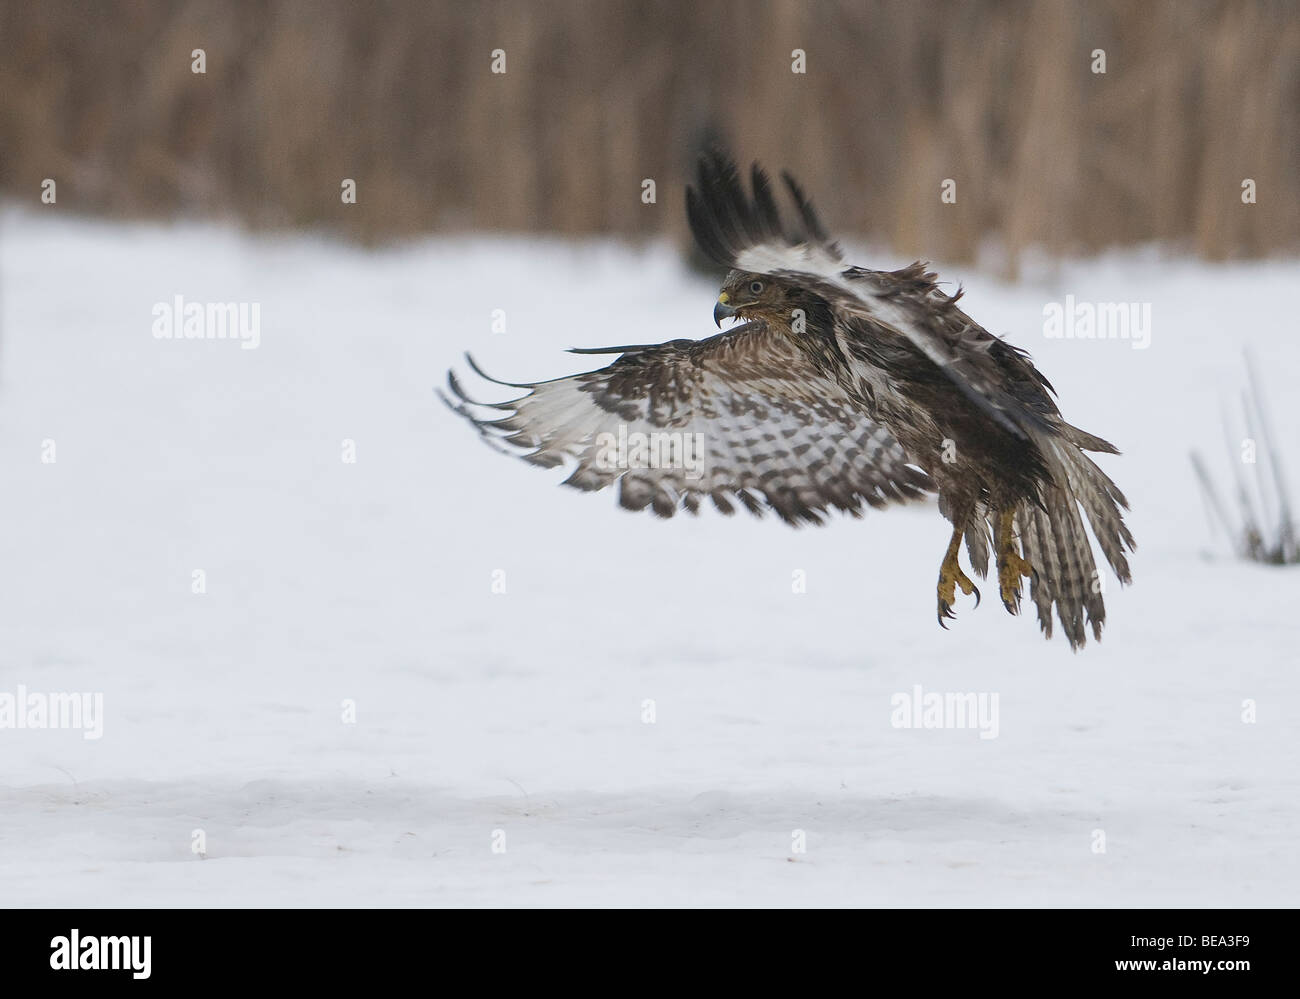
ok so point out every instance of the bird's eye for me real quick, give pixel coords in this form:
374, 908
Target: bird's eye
756, 287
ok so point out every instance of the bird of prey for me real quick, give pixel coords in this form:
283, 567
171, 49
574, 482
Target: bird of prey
841, 387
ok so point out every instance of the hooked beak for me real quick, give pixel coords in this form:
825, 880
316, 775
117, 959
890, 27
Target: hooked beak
722, 310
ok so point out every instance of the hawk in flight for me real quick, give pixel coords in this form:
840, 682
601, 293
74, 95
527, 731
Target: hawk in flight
841, 388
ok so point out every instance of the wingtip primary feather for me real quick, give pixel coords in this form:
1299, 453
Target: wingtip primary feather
459, 392
469, 359
807, 213
727, 218
624, 349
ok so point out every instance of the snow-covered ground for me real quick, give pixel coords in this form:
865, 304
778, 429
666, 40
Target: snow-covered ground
516, 719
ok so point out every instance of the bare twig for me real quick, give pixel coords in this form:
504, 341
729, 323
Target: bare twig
1251, 539
1286, 526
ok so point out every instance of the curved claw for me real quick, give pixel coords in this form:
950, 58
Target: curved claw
948, 597
951, 578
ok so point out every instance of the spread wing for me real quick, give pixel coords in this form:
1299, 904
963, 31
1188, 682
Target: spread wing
747, 231
737, 417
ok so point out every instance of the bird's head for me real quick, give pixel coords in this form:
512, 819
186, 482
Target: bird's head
753, 296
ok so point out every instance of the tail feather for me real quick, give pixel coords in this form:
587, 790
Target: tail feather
1054, 542
1087, 441
979, 537
1103, 502
1040, 552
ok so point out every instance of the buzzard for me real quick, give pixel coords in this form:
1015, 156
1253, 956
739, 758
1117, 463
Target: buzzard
841, 388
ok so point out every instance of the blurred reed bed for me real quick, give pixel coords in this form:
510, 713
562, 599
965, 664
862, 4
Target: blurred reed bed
897, 97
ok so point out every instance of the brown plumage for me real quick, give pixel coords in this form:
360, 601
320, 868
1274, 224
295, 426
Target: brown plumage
843, 387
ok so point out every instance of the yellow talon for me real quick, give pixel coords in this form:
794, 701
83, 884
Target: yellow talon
1010, 564
951, 577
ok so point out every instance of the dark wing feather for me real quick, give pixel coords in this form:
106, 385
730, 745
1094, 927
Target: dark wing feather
769, 426
727, 221
746, 232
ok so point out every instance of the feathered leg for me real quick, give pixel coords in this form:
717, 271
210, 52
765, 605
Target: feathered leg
1010, 565
951, 577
